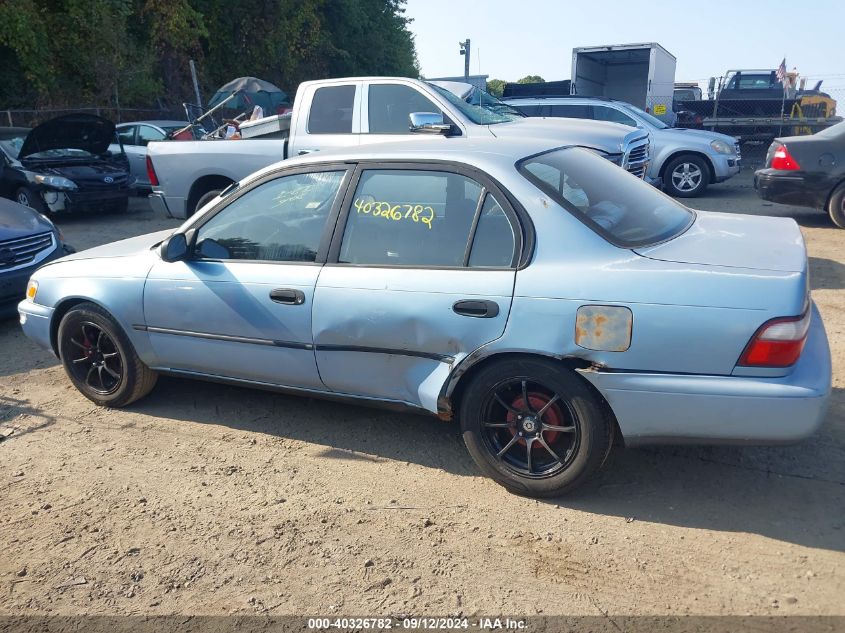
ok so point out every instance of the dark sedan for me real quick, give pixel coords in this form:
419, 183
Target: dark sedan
65, 165
807, 171
27, 241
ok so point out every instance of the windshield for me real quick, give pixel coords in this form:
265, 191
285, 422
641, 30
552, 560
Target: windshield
650, 119
480, 107
618, 206
12, 145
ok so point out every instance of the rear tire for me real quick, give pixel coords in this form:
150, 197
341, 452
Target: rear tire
836, 206
509, 413
99, 358
686, 176
29, 198
205, 199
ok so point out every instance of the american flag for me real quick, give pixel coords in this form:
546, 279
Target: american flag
780, 73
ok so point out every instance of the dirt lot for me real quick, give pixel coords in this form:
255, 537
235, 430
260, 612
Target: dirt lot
203, 499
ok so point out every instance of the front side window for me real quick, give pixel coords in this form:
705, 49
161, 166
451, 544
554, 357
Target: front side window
410, 218
390, 107
618, 206
331, 110
603, 113
282, 220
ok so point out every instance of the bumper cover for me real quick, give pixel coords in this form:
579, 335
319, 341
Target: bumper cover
672, 408
35, 322
788, 188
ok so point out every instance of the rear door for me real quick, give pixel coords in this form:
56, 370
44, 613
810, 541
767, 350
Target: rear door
329, 118
420, 273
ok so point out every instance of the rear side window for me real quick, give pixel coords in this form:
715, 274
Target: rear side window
530, 110
147, 133
618, 206
390, 107
331, 110
127, 135
573, 111
425, 218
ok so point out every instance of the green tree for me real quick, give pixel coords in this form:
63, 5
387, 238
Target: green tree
496, 87
532, 79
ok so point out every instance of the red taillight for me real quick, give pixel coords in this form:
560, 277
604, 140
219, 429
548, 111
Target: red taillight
778, 343
782, 159
151, 172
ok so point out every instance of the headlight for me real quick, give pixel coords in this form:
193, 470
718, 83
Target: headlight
54, 181
720, 147
31, 290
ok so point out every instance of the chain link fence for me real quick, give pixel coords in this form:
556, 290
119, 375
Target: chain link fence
31, 118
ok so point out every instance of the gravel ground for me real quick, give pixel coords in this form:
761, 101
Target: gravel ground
202, 499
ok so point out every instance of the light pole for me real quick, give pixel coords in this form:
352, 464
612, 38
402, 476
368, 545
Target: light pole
465, 52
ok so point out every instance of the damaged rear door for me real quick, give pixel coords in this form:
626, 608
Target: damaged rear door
420, 273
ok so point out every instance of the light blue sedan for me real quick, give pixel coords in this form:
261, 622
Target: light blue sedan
549, 301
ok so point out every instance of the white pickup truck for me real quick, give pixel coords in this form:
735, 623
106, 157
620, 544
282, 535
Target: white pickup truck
339, 113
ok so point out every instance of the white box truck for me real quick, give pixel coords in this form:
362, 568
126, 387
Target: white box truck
641, 74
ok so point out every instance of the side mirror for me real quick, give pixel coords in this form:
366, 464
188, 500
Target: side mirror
174, 248
428, 122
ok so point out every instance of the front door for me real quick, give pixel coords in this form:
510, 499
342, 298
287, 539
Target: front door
240, 307
420, 274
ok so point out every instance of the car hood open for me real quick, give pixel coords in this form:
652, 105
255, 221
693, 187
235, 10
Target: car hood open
737, 241
85, 132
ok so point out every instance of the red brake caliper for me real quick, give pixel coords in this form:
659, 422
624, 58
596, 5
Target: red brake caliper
553, 416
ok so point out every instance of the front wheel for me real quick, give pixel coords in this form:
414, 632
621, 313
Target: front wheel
686, 176
29, 198
836, 206
99, 358
534, 427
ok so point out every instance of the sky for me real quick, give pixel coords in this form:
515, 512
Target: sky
514, 38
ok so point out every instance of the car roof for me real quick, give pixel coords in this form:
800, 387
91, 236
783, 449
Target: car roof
491, 155
157, 122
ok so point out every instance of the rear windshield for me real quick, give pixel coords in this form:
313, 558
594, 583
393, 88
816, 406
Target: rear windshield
618, 206
834, 131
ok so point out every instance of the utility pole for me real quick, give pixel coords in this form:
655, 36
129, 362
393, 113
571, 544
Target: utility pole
465, 52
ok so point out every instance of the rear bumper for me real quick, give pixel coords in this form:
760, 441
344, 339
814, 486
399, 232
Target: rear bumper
671, 408
788, 188
168, 206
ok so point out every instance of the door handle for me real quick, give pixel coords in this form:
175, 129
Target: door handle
303, 152
287, 296
478, 308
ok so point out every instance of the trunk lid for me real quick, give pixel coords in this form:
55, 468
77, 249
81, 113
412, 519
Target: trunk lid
736, 241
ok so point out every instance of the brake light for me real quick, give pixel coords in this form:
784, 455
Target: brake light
782, 159
777, 343
151, 172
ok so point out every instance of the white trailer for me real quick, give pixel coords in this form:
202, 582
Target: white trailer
641, 74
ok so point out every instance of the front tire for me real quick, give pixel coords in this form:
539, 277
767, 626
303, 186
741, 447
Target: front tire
836, 206
99, 358
534, 427
686, 176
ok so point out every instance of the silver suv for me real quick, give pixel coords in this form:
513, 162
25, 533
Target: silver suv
685, 160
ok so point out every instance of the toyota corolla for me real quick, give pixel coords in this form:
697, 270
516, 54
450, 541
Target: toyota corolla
548, 301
